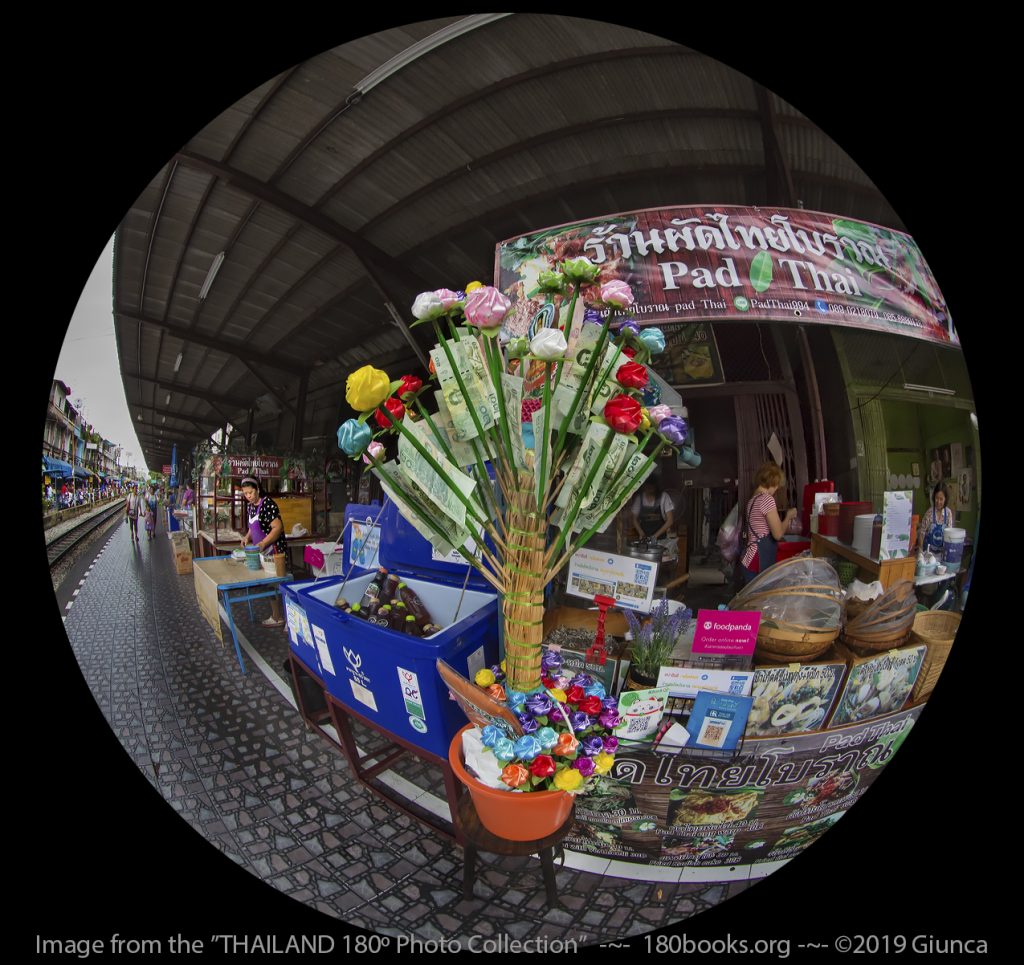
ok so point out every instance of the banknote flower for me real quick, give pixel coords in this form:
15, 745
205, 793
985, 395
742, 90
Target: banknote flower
580, 270
548, 344
616, 294
367, 388
485, 307
631, 375
409, 387
354, 437
622, 413
393, 411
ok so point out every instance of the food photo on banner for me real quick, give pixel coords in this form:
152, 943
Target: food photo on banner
494, 622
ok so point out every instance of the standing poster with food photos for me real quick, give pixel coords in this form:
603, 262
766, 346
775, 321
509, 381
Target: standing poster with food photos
878, 685
793, 701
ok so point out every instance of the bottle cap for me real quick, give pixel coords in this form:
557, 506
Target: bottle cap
401, 603
356, 606
410, 617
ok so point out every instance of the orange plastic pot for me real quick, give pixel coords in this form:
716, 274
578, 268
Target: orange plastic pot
515, 817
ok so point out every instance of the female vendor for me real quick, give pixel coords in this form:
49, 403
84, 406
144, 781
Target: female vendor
266, 530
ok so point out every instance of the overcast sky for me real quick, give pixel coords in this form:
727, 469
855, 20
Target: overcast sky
88, 362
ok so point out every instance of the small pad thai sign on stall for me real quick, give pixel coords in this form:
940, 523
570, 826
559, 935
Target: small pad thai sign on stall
720, 262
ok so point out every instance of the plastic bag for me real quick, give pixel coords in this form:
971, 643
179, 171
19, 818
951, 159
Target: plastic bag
729, 536
800, 593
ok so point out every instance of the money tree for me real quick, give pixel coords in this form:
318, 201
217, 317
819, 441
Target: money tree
517, 485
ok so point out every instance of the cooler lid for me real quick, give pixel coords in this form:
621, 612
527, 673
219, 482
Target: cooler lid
361, 539
405, 552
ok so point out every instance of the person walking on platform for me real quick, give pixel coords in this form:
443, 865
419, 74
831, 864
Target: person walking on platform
131, 512
151, 513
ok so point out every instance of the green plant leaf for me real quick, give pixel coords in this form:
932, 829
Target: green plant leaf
394, 387
363, 416
761, 271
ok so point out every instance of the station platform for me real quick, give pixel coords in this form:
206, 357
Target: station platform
231, 755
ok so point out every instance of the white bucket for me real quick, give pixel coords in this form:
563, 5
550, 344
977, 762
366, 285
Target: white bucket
953, 547
862, 527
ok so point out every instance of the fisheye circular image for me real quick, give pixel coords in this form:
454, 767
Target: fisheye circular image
511, 483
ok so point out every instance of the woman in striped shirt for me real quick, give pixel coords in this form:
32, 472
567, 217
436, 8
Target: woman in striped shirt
763, 527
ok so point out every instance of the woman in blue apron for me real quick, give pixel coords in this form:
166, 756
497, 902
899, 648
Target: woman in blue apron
762, 526
266, 530
654, 518
938, 517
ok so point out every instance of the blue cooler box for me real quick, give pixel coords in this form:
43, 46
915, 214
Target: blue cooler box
300, 632
389, 677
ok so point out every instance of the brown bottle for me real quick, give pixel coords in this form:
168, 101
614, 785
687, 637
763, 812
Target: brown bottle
373, 588
412, 627
383, 616
430, 628
342, 604
409, 597
387, 591
357, 611
398, 615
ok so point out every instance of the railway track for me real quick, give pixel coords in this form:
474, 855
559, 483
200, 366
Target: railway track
60, 548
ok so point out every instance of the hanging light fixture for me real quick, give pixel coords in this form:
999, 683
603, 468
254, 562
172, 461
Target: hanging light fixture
177, 361
211, 274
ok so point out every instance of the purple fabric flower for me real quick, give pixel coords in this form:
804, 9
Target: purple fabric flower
592, 317
550, 661
562, 682
582, 680
673, 429
610, 703
592, 746
499, 674
629, 327
555, 714
579, 721
584, 765
609, 719
538, 704
529, 724
611, 744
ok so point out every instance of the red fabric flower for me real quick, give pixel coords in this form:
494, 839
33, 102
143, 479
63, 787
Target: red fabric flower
543, 766
397, 410
574, 695
547, 682
632, 375
623, 413
410, 385
630, 353
591, 706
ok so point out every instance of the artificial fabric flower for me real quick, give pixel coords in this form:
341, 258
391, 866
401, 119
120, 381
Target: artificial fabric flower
567, 745
616, 294
548, 344
410, 386
485, 307
610, 703
547, 681
550, 660
483, 678
580, 721
515, 698
374, 451
584, 765
583, 680
551, 282
449, 299
427, 305
592, 746
611, 744
645, 420
538, 704
659, 412
562, 683
543, 766
431, 368
630, 327
515, 775
653, 340
367, 388
473, 286
396, 410
518, 347
527, 747
609, 719
558, 694
591, 706
568, 779
504, 749
491, 735
499, 674
497, 692
629, 352
529, 725
673, 429
603, 763
622, 413
580, 270
632, 375
502, 664
591, 316
574, 694
596, 689
547, 736
354, 437
556, 715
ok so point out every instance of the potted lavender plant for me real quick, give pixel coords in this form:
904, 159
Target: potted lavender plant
653, 640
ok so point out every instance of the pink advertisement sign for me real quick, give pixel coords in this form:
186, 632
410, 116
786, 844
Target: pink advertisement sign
731, 632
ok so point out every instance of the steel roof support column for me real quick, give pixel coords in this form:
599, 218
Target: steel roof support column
300, 413
778, 180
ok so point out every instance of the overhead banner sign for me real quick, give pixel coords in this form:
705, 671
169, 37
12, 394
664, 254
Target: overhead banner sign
256, 466
720, 262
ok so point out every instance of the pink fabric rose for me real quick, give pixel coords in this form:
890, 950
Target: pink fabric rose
617, 294
486, 307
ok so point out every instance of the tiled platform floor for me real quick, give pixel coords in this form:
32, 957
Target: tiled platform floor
231, 755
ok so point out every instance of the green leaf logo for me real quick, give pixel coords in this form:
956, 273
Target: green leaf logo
761, 271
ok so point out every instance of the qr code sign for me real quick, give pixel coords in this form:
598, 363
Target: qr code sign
712, 733
642, 574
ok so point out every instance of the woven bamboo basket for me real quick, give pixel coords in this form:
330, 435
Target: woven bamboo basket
791, 645
883, 624
937, 630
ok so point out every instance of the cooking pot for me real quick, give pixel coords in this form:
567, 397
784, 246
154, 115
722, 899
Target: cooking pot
646, 550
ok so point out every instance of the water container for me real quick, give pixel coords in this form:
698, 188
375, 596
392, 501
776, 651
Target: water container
953, 547
862, 526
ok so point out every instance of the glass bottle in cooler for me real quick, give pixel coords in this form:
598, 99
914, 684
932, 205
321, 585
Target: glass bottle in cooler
414, 604
388, 590
373, 588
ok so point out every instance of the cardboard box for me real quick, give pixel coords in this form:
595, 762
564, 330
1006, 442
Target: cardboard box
574, 660
181, 549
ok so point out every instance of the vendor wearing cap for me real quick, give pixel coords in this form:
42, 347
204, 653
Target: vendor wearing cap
266, 530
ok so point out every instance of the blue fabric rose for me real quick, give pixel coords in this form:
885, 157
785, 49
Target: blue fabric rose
504, 749
527, 748
491, 735
547, 737
354, 437
596, 689
653, 340
515, 698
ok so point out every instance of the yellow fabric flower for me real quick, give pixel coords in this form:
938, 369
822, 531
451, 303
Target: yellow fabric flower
503, 666
558, 694
645, 419
603, 762
473, 285
484, 678
568, 779
367, 388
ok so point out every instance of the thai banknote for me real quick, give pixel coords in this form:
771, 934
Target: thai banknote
458, 404
627, 484
461, 451
512, 388
417, 468
605, 390
585, 458
428, 532
471, 360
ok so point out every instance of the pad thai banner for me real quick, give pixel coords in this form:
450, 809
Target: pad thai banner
769, 802
721, 262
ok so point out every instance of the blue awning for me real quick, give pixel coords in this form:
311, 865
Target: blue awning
56, 467
81, 473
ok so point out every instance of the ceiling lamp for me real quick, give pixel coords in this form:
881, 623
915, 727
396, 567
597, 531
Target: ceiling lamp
930, 389
167, 401
177, 361
211, 274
